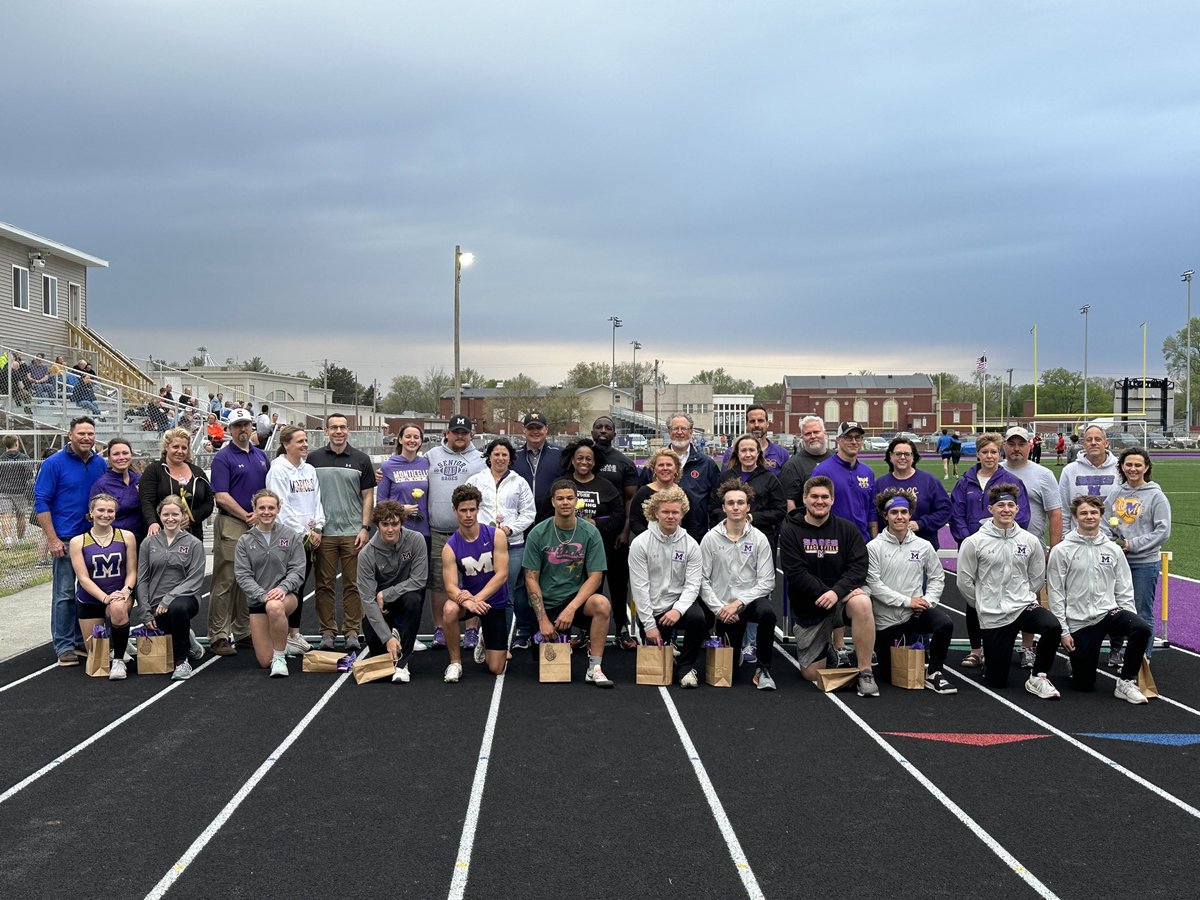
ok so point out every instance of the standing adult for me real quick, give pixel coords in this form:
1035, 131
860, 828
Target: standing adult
853, 481
263, 426
404, 479
170, 577
932, 508
176, 475
612, 464
297, 490
239, 471
698, 474
1060, 447
16, 490
539, 463
775, 456
1143, 515
748, 465
60, 501
665, 469
813, 450
121, 481
450, 464
599, 501
943, 450
1094, 471
347, 479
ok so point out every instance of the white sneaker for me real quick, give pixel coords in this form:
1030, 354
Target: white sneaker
1125, 690
195, 649
690, 679
597, 677
116, 670
479, 651
401, 676
182, 672
279, 668
453, 673
297, 645
1040, 687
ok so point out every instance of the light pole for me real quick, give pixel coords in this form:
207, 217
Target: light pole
460, 261
1187, 276
616, 323
637, 345
1083, 311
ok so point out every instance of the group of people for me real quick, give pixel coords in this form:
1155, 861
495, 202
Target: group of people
542, 542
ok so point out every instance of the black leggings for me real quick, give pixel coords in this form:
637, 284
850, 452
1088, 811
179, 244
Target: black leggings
998, 644
1118, 623
294, 615
618, 585
974, 635
932, 621
177, 622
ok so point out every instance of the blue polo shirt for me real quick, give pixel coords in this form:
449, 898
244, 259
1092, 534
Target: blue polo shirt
240, 474
62, 489
853, 491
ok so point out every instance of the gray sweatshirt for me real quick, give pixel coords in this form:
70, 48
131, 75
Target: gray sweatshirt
897, 571
1000, 572
664, 573
167, 571
741, 569
265, 560
1144, 515
1087, 578
392, 569
447, 470
1081, 477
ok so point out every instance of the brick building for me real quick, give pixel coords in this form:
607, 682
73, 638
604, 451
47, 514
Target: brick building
877, 402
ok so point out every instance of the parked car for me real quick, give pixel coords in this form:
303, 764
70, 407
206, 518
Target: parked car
1120, 440
1156, 440
1184, 441
874, 444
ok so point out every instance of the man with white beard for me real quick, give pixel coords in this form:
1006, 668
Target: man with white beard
814, 450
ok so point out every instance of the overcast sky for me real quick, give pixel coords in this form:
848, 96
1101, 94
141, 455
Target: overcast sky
779, 188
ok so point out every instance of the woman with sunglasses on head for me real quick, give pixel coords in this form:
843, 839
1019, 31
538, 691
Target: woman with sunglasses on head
176, 475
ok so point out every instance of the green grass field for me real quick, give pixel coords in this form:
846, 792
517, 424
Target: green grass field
1179, 479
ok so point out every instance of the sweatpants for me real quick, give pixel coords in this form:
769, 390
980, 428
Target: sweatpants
1120, 623
403, 614
761, 613
998, 644
933, 621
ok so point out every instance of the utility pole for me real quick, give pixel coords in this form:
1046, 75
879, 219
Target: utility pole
1008, 409
325, 389
1083, 311
656, 421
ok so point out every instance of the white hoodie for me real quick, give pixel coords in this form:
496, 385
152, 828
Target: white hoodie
1087, 578
299, 495
1000, 572
1081, 477
664, 573
742, 568
897, 571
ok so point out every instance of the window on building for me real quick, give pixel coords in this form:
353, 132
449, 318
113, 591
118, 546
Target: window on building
20, 288
49, 296
891, 412
862, 412
833, 415
956, 417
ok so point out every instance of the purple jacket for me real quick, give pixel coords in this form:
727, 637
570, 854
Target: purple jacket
968, 504
129, 504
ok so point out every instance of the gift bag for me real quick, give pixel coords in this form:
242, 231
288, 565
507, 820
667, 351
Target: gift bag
554, 661
154, 652
718, 664
908, 667
321, 661
99, 651
829, 680
656, 665
370, 668
1145, 681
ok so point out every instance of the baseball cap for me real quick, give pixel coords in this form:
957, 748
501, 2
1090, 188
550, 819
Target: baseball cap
534, 418
1017, 432
239, 415
459, 423
846, 427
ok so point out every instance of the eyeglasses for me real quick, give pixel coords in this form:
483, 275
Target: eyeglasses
901, 456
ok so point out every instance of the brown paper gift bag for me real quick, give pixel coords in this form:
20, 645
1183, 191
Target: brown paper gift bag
1145, 681
718, 666
908, 668
554, 662
322, 661
829, 680
99, 651
370, 668
655, 665
154, 655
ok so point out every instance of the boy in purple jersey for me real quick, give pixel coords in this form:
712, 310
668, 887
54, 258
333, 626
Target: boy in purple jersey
475, 573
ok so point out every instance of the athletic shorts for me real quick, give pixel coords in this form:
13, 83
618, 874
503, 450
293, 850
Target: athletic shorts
493, 626
579, 621
437, 540
814, 641
90, 610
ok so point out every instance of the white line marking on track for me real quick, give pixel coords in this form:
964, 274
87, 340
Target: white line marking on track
1017, 867
215, 825
58, 761
1096, 754
462, 864
749, 882
13, 684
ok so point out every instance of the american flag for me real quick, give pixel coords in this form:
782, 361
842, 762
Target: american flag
981, 364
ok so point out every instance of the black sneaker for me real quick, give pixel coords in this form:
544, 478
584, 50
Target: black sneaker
521, 642
937, 682
626, 641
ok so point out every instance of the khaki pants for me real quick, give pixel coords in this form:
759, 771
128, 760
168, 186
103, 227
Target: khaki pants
333, 553
227, 604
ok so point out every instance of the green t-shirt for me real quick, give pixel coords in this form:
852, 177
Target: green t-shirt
564, 559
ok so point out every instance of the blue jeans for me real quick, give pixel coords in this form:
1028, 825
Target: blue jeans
1145, 583
64, 624
517, 595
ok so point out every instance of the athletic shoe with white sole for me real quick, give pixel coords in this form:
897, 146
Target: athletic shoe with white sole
279, 667
401, 675
597, 677
938, 683
763, 680
1028, 657
116, 671
470, 638
439, 640
453, 673
195, 648
478, 653
182, 672
1116, 658
1128, 691
866, 684
1039, 685
749, 655
327, 642
353, 645
297, 645
690, 679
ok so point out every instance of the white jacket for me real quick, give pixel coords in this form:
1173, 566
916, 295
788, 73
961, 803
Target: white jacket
897, 571
741, 569
664, 573
509, 503
1000, 572
299, 495
1087, 578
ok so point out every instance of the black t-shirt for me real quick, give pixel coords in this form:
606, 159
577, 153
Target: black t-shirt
604, 505
614, 465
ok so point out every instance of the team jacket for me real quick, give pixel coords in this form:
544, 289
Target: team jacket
260, 566
168, 571
664, 573
1087, 578
897, 571
742, 569
1000, 572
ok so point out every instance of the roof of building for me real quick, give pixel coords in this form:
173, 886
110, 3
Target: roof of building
865, 382
54, 248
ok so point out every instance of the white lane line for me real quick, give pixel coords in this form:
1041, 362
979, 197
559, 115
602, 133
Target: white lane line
749, 882
1183, 650
462, 864
215, 825
13, 684
957, 811
58, 761
1096, 754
